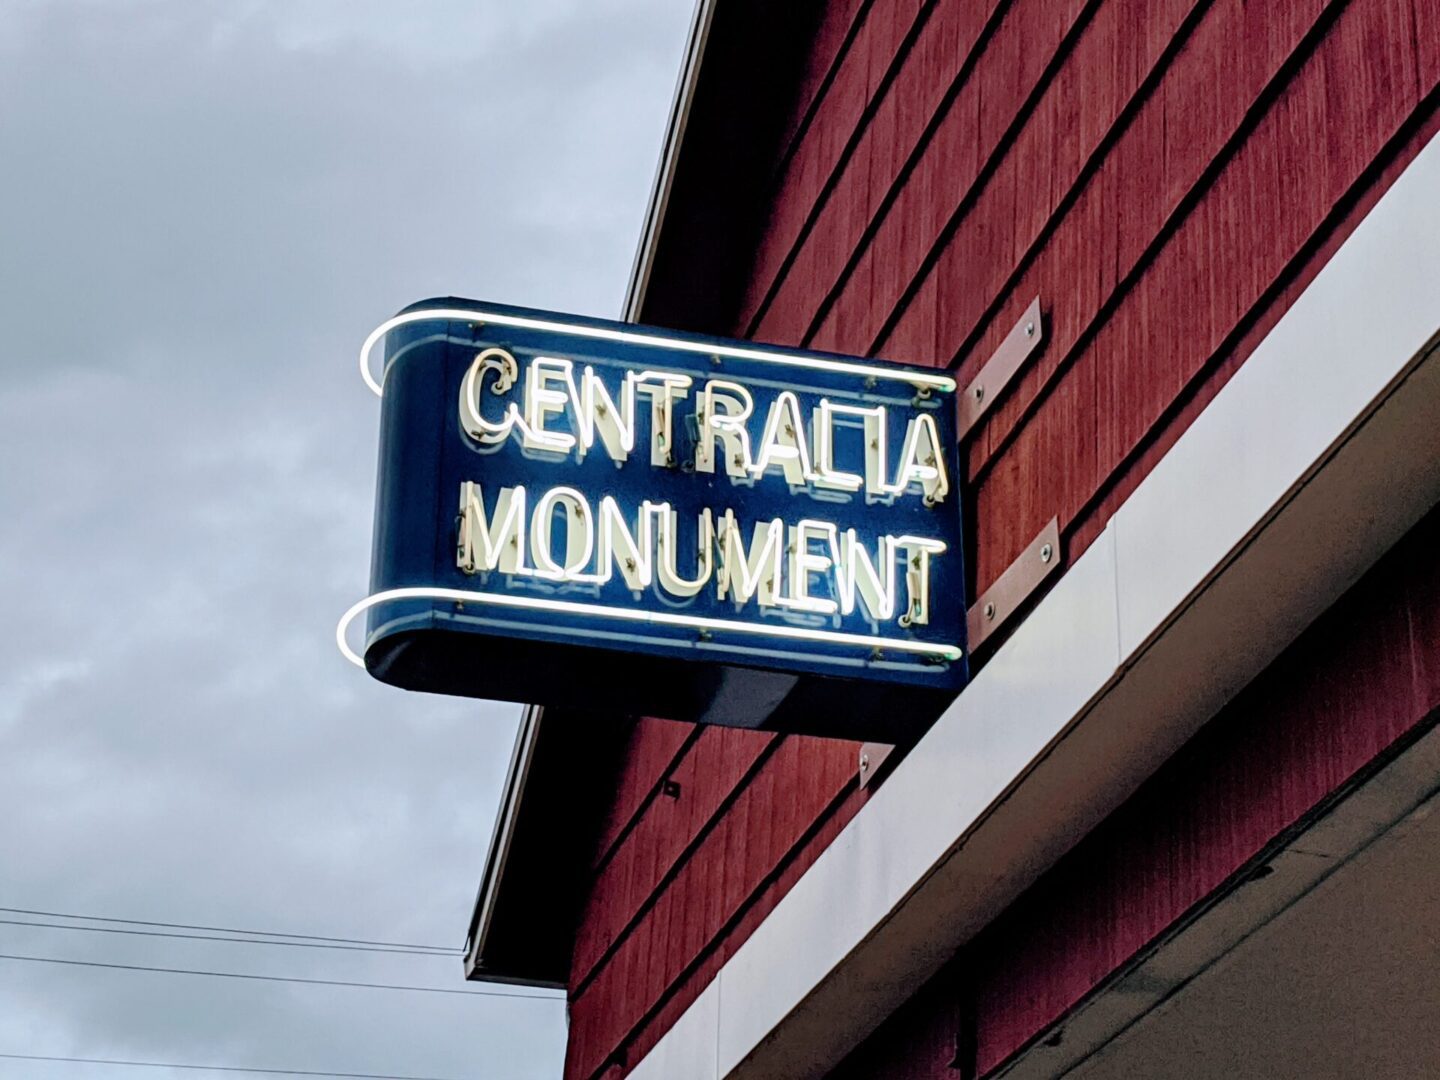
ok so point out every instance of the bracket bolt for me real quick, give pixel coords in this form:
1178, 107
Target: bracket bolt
1047, 553
989, 611
864, 762
979, 393
1029, 329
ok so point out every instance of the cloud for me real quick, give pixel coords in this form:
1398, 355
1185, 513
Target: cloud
206, 206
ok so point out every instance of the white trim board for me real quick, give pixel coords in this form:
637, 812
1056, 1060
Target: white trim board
1309, 464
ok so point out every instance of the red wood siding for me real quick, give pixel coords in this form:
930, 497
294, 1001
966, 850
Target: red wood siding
1361, 679
686, 882
1166, 175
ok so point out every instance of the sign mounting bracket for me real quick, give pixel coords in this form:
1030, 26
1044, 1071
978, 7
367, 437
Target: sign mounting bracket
991, 382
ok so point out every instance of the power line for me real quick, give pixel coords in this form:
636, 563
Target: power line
404, 950
227, 930
275, 978
212, 1068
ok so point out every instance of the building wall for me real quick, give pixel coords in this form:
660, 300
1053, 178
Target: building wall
1166, 175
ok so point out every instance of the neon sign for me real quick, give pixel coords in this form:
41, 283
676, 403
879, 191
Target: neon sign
580, 512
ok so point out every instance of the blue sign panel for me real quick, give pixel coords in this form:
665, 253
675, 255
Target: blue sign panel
596, 514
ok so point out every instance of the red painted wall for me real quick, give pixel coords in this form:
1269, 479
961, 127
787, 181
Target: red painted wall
1166, 175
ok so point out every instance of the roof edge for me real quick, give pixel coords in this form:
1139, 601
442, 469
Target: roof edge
521, 756
685, 84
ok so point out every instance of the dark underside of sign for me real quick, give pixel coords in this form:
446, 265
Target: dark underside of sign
590, 677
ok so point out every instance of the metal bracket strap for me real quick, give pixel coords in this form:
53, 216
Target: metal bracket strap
988, 386
872, 757
1011, 589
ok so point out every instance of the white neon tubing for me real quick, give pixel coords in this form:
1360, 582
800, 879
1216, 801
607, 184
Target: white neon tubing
819, 363
654, 618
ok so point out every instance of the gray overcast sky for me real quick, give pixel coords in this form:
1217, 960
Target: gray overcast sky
205, 205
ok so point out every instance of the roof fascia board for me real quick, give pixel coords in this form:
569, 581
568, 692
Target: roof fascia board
685, 85
1306, 467
526, 736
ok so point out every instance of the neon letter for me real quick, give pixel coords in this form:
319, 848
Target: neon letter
670, 579
783, 441
922, 460
579, 534
753, 573
599, 416
917, 577
826, 475
664, 389
482, 545
506, 372
804, 562
876, 587
619, 546
541, 401
727, 425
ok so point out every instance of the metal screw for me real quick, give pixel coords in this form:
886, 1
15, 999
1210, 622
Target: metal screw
715, 359
871, 382
864, 762
979, 393
1029, 329
989, 611
1046, 553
